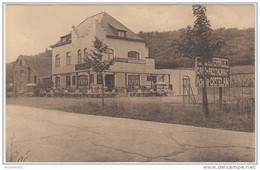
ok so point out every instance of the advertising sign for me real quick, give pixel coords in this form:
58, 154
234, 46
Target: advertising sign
216, 71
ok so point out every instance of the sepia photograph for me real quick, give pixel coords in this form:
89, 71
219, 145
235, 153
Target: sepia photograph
130, 83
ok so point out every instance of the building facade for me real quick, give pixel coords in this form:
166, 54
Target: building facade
133, 68
179, 80
30, 69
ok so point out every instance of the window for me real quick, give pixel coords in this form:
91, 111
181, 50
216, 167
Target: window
68, 57
21, 63
57, 81
91, 79
83, 80
29, 74
85, 53
66, 38
15, 74
35, 79
151, 78
121, 33
133, 54
99, 79
133, 80
21, 73
67, 81
57, 60
109, 54
79, 56
73, 80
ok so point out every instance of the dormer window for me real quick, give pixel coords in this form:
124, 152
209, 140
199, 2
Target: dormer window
65, 38
121, 33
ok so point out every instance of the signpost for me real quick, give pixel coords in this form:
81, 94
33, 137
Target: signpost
217, 74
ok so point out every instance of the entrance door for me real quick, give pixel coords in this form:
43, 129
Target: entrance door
109, 82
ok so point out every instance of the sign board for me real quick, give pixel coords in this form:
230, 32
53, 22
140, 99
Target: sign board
82, 66
216, 71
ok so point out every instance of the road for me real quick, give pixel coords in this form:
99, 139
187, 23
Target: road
56, 136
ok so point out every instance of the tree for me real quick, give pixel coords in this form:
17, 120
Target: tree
97, 62
198, 42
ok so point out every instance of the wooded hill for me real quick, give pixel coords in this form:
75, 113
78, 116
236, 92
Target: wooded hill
239, 47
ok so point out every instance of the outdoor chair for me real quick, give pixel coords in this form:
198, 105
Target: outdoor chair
50, 93
65, 93
57, 93
43, 93
76, 94
71, 92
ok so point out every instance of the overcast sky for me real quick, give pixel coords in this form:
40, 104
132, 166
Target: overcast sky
32, 29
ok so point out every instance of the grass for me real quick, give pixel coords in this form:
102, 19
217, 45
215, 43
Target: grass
15, 156
238, 116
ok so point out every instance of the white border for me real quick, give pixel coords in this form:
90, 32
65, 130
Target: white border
115, 165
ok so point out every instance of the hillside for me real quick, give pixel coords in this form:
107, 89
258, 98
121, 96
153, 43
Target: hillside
239, 47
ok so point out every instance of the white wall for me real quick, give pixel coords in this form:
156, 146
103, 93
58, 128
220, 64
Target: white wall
176, 79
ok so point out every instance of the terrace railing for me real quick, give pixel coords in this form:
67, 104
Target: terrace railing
131, 60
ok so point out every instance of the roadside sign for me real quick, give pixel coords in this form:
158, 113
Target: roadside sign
217, 72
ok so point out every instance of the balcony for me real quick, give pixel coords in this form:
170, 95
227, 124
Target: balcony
131, 60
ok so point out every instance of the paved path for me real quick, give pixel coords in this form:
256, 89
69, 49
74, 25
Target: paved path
55, 136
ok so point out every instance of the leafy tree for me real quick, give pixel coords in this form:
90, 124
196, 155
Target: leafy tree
97, 61
198, 43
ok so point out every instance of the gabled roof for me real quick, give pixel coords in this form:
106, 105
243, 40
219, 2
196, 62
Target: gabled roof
41, 64
108, 23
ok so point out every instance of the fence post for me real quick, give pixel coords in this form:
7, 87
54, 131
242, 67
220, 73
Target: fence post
220, 95
214, 94
183, 90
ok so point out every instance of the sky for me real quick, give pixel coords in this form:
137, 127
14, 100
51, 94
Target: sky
30, 29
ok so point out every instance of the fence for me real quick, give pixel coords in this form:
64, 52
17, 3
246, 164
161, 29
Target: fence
241, 85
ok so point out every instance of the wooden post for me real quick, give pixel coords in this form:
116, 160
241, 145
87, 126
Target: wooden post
214, 94
229, 98
126, 80
114, 81
169, 78
220, 95
151, 81
189, 88
139, 80
183, 90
